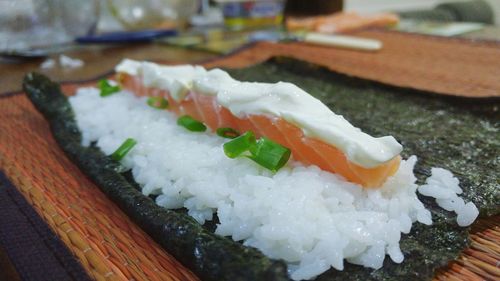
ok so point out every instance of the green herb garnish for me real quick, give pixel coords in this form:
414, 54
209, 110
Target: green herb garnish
265, 152
126, 146
228, 133
269, 154
191, 124
107, 89
157, 102
239, 145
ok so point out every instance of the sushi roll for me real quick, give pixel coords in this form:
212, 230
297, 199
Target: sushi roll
281, 112
296, 222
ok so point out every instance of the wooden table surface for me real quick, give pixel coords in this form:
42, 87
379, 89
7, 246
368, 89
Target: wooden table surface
7, 269
98, 60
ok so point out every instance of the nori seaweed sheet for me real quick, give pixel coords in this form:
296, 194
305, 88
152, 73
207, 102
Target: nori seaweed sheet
458, 134
209, 256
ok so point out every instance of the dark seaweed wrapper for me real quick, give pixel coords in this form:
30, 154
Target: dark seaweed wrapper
443, 132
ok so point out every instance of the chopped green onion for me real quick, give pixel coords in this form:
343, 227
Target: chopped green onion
239, 145
126, 146
157, 102
265, 152
107, 89
269, 154
191, 124
228, 133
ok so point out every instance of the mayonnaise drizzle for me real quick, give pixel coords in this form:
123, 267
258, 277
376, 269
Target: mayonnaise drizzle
282, 99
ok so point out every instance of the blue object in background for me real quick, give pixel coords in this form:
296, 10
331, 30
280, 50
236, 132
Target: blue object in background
126, 36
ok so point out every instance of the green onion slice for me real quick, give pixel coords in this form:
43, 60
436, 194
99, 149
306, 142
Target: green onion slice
126, 146
107, 89
265, 152
269, 154
157, 102
228, 133
239, 145
191, 124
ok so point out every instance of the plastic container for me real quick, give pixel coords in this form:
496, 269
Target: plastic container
245, 14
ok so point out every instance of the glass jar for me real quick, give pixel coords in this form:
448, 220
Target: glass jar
152, 14
29, 24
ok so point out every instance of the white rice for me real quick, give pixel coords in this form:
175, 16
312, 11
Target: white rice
63, 61
310, 218
69, 62
443, 186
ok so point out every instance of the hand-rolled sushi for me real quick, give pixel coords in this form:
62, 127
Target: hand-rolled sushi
281, 112
307, 218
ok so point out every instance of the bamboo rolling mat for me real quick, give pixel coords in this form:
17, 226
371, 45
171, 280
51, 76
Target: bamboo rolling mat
104, 239
456, 67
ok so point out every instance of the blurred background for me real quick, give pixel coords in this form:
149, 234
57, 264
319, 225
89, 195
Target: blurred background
38, 27
406, 5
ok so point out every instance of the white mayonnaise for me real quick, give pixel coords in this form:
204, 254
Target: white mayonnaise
178, 80
283, 100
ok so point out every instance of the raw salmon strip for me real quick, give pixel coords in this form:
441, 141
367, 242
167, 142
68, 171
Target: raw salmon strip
342, 22
309, 151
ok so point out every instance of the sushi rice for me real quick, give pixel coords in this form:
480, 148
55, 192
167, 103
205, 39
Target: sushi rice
311, 219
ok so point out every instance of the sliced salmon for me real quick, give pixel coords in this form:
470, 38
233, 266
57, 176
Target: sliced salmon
341, 22
309, 151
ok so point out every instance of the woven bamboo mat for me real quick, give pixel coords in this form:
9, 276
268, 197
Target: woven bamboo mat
107, 243
104, 239
457, 67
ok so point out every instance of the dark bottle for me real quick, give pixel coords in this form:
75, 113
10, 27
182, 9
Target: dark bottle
312, 7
